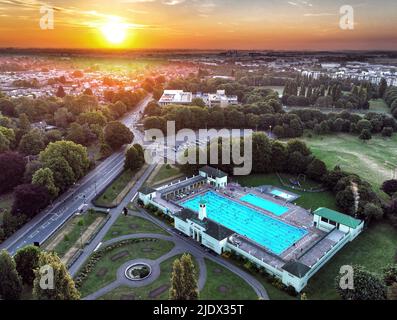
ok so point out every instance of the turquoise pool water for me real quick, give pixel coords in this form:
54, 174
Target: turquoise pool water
267, 205
271, 233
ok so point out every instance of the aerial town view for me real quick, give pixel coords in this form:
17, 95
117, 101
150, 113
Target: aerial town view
224, 151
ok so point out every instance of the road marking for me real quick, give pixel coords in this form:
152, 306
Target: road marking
97, 247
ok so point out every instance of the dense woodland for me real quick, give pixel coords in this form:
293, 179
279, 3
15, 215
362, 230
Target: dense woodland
39, 164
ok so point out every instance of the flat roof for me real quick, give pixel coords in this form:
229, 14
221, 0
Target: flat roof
338, 217
213, 172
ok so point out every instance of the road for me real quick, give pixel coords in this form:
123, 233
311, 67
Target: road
50, 220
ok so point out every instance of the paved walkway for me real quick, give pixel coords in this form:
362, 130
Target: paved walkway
182, 245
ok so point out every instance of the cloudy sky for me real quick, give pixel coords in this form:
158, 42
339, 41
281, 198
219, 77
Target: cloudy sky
202, 24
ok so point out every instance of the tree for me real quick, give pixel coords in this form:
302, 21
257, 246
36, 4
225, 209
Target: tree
32, 143
189, 278
345, 200
279, 156
117, 134
198, 102
75, 155
382, 88
134, 158
365, 135
177, 284
29, 199
367, 286
316, 169
12, 166
10, 281
296, 163
390, 187
7, 107
261, 153
60, 92
372, 211
297, 145
64, 286
4, 143
45, 177
62, 172
27, 260
183, 280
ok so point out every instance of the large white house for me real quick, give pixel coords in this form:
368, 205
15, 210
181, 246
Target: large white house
288, 241
179, 97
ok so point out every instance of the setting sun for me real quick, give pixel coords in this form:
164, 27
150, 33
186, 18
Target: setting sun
114, 32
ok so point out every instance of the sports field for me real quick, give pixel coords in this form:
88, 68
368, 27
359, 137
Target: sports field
374, 161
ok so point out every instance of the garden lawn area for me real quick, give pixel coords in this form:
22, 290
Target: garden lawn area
222, 284
114, 189
307, 200
368, 160
378, 105
166, 172
375, 248
131, 224
158, 290
104, 271
77, 226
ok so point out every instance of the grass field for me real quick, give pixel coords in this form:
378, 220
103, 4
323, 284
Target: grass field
378, 105
223, 284
148, 292
368, 160
163, 174
114, 189
130, 224
104, 271
375, 248
77, 226
307, 200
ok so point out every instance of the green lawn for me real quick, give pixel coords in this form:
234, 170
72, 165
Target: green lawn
223, 284
351, 154
165, 172
378, 105
144, 293
104, 271
375, 248
114, 189
79, 225
307, 200
130, 224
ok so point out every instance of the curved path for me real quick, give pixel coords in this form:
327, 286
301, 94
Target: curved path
182, 245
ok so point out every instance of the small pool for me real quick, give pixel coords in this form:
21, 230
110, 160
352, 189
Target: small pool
264, 204
277, 236
282, 194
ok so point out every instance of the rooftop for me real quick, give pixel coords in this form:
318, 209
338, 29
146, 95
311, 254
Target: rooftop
338, 217
213, 172
213, 229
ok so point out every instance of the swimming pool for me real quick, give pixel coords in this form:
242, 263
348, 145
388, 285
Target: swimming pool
273, 234
281, 194
267, 205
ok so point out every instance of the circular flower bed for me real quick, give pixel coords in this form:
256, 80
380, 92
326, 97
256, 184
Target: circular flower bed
138, 271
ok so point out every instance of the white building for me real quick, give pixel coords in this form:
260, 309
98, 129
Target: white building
180, 97
326, 231
175, 97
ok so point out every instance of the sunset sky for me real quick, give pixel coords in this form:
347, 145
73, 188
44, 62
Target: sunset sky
200, 24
